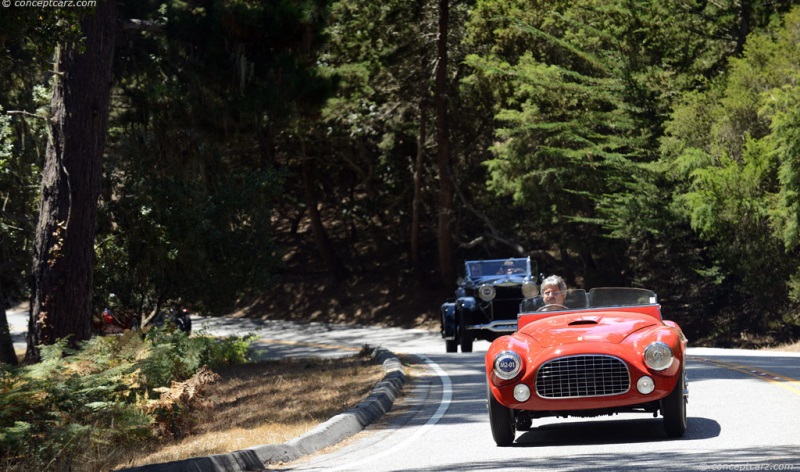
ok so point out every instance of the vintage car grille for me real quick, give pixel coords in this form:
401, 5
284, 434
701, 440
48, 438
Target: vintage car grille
508, 292
506, 303
582, 376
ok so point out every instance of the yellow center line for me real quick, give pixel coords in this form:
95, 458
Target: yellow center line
787, 383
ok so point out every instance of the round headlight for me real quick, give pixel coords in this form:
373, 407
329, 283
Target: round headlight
645, 385
487, 292
658, 356
507, 365
529, 289
522, 393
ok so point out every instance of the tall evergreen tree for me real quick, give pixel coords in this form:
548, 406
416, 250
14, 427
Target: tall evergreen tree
25, 54
195, 168
64, 250
731, 151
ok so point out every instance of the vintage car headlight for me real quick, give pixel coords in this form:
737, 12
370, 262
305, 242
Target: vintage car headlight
507, 365
487, 292
522, 393
529, 289
645, 385
658, 356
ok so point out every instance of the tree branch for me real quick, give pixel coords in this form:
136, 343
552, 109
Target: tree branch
25, 113
492, 233
142, 25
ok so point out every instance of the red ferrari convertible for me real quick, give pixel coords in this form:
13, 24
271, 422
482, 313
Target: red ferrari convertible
602, 352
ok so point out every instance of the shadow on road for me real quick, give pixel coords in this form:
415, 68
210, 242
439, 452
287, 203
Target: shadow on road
613, 432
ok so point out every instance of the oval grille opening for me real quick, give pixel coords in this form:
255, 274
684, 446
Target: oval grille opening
582, 376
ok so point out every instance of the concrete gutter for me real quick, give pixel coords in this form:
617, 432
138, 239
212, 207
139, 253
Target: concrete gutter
333, 431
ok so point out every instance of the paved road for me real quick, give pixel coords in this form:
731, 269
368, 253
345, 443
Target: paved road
18, 326
288, 339
744, 412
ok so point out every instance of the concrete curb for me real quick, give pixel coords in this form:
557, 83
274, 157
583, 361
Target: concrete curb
333, 431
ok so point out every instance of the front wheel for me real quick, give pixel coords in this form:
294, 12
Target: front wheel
464, 336
451, 345
501, 419
673, 408
187, 323
182, 321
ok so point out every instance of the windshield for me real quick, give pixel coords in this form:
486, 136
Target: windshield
614, 296
595, 298
514, 266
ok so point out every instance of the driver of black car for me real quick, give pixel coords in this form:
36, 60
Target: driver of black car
508, 268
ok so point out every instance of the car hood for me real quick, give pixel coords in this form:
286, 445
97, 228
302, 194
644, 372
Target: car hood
598, 327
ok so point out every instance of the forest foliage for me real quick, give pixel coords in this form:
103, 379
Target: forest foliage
647, 143
81, 409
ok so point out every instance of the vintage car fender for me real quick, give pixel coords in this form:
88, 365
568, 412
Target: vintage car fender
449, 324
467, 311
466, 303
630, 350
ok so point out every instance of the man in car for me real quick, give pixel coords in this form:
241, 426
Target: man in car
554, 291
552, 295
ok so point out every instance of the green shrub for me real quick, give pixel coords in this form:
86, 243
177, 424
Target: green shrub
230, 351
77, 406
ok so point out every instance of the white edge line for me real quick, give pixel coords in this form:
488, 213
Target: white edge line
444, 404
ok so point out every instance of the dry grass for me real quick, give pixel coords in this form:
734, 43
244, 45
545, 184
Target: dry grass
266, 403
789, 347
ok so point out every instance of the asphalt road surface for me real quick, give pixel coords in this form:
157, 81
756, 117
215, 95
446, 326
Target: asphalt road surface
744, 412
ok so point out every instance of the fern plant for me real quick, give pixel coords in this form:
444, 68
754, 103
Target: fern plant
75, 406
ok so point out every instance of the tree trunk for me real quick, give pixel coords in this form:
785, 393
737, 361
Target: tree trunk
64, 244
335, 267
745, 15
7, 353
416, 204
446, 264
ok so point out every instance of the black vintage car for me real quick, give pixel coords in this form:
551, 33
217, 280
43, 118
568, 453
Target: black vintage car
487, 301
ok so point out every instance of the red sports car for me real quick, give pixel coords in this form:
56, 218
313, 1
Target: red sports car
602, 352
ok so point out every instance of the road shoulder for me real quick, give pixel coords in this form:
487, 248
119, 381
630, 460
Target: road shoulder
333, 431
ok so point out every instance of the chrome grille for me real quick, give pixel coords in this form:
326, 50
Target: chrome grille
509, 292
582, 376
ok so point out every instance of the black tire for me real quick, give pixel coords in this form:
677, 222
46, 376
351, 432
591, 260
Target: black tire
501, 419
464, 336
673, 409
187, 324
451, 346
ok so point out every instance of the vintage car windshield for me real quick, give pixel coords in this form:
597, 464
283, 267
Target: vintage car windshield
514, 266
578, 299
617, 296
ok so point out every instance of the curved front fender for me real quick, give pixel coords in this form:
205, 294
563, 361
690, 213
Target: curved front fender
449, 323
466, 303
